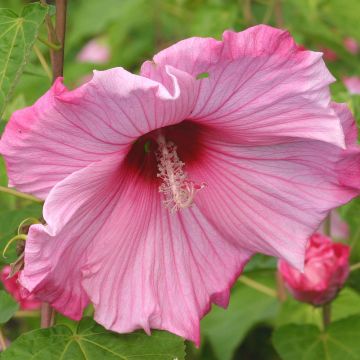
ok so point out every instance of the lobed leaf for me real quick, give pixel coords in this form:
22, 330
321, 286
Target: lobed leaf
91, 341
306, 342
17, 36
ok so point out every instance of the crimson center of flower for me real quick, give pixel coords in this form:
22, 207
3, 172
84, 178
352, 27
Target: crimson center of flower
165, 157
178, 190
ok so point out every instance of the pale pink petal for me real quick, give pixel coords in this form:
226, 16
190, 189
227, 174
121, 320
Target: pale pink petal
270, 199
54, 253
66, 130
261, 88
141, 266
352, 84
348, 166
347, 122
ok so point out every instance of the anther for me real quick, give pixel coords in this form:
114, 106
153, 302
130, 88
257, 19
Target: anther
179, 192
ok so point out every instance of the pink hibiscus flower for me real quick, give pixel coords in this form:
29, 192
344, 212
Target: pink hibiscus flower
352, 84
351, 45
159, 187
26, 300
329, 54
94, 52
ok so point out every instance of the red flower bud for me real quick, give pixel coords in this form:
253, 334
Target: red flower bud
325, 271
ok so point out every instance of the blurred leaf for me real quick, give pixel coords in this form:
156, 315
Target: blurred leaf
17, 35
307, 342
261, 262
347, 303
8, 307
93, 16
294, 312
354, 280
343, 16
90, 341
18, 102
225, 329
350, 213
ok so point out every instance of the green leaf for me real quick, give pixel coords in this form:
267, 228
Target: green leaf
225, 329
17, 36
347, 303
261, 262
8, 307
295, 312
18, 102
90, 341
307, 342
350, 213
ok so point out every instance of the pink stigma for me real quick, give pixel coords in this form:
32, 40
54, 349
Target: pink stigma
179, 192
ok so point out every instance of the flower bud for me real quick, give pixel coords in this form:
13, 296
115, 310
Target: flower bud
325, 271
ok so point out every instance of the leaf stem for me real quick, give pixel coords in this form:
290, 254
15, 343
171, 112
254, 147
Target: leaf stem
19, 194
49, 44
257, 286
15, 238
26, 313
355, 267
2, 340
43, 62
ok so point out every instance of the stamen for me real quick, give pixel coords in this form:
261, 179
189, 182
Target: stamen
179, 192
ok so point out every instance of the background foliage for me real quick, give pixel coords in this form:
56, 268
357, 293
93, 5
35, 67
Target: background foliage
256, 325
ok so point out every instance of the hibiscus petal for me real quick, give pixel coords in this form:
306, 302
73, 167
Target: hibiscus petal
110, 238
270, 199
66, 130
261, 88
347, 122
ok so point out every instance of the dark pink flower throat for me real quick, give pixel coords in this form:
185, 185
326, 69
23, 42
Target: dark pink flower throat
162, 156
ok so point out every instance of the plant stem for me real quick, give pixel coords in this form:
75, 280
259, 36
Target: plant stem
327, 225
281, 292
248, 17
279, 20
47, 315
43, 62
19, 194
60, 28
257, 286
326, 312
2, 340
57, 62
